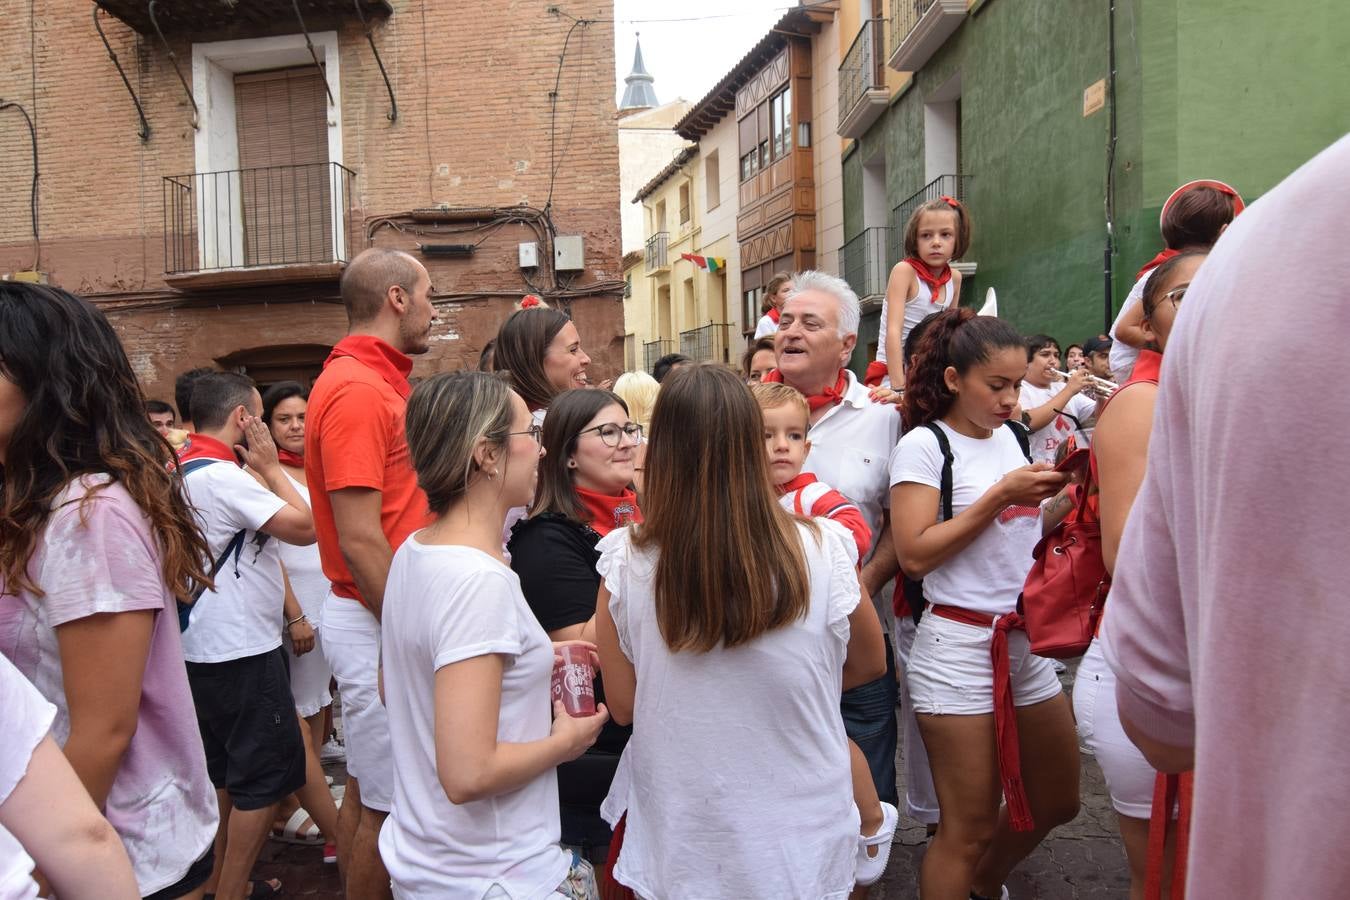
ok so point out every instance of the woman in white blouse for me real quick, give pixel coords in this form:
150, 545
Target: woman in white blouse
467, 666
727, 631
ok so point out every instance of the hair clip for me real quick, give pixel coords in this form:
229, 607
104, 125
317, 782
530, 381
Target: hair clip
950, 201
530, 301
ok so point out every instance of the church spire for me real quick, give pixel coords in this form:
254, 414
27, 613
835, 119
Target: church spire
639, 93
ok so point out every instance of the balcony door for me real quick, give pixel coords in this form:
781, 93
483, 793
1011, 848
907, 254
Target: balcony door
285, 181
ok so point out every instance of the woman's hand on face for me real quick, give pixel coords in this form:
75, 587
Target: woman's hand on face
1029, 485
580, 733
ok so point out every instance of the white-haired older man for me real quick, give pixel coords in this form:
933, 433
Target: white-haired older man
852, 438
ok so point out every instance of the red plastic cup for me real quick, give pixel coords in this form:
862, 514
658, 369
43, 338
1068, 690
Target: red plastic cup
574, 682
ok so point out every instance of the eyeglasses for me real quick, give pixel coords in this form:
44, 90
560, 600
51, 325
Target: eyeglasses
1175, 294
534, 431
613, 434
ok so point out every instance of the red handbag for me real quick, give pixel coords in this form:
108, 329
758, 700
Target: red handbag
1065, 590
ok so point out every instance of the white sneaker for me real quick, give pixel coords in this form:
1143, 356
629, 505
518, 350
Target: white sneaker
332, 750
869, 869
1002, 893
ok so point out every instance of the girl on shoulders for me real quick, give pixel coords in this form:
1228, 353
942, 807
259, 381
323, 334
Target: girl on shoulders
920, 284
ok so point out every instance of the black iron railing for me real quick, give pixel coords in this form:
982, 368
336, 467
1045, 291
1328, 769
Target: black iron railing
705, 344
865, 261
656, 251
863, 68
268, 216
943, 185
905, 15
654, 350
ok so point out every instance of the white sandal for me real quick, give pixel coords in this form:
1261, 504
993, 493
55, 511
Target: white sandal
293, 833
869, 869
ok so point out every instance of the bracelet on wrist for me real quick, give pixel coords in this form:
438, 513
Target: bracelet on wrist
299, 618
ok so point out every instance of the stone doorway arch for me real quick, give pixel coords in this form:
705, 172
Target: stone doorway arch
282, 362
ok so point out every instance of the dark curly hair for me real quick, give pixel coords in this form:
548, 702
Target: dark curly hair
84, 415
958, 338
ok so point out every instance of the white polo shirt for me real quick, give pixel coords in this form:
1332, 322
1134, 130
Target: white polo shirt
851, 448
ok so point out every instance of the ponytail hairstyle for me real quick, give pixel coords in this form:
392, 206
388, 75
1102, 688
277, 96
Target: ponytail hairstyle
942, 204
956, 338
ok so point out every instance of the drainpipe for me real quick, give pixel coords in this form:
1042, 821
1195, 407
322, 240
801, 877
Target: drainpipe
1108, 302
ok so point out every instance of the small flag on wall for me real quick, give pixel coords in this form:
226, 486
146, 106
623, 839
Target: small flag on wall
711, 263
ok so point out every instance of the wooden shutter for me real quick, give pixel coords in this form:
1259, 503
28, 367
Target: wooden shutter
286, 181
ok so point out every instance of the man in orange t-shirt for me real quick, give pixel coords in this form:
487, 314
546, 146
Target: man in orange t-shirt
366, 502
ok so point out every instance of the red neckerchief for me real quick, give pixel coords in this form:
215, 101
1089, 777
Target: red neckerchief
1156, 261
376, 354
774, 313
796, 484
934, 282
827, 397
608, 512
287, 458
203, 447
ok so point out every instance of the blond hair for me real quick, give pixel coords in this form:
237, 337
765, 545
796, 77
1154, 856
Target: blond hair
773, 395
448, 414
638, 390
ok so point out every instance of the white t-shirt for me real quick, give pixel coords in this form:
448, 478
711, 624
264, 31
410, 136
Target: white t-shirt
443, 605
25, 717
767, 327
917, 308
1123, 356
988, 574
242, 616
1045, 441
736, 780
305, 570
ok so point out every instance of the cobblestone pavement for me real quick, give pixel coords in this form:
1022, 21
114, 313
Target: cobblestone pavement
1079, 861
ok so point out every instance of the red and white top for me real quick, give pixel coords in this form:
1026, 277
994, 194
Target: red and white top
806, 496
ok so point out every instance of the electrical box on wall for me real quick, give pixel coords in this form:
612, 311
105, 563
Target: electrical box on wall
569, 253
529, 255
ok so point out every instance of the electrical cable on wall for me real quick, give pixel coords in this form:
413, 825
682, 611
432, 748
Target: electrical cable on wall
33, 199
1110, 199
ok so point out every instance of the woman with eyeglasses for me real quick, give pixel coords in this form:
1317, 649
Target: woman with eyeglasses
467, 668
584, 493
1119, 454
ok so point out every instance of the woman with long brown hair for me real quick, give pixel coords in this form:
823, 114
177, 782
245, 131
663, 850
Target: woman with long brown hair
727, 630
96, 543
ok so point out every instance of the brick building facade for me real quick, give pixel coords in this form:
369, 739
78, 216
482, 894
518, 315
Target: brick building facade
221, 243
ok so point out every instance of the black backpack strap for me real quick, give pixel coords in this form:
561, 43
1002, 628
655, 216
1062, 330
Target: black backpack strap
946, 489
1023, 437
234, 548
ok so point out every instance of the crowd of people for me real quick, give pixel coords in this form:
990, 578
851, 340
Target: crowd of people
664, 641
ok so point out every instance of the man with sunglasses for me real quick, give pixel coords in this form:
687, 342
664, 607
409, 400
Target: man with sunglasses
366, 502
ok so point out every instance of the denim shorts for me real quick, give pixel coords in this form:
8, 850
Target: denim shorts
951, 674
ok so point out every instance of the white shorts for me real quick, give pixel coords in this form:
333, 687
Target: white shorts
351, 644
920, 796
1129, 777
310, 675
950, 672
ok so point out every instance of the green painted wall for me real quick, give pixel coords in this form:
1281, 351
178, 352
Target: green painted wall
1240, 90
